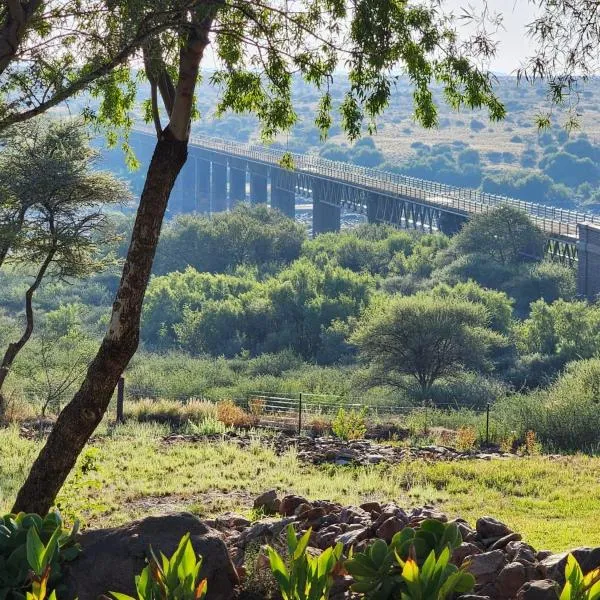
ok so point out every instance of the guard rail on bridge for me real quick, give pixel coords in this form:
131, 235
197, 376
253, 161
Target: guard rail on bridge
555, 221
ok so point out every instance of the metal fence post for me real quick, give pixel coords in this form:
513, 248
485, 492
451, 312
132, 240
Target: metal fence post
120, 399
300, 414
487, 424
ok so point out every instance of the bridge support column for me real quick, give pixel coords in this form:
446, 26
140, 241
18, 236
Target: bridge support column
283, 191
218, 187
187, 178
449, 223
588, 253
258, 186
237, 181
372, 208
202, 185
326, 216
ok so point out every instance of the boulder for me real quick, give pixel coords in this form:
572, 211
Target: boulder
554, 565
389, 528
111, 558
544, 589
290, 503
486, 566
268, 502
463, 551
488, 527
510, 580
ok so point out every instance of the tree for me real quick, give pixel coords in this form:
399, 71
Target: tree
506, 235
424, 338
248, 235
258, 45
46, 172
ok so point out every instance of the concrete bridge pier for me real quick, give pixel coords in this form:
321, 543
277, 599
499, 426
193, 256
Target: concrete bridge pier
449, 223
202, 183
237, 181
258, 184
588, 268
283, 191
218, 187
188, 186
372, 208
326, 216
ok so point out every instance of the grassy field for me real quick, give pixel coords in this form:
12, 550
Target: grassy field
130, 472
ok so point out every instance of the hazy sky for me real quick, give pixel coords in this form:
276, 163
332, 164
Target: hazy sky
514, 44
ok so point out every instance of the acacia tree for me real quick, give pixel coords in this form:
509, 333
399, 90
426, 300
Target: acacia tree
46, 175
424, 338
259, 46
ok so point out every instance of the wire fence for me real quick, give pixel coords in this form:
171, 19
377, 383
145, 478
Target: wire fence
305, 411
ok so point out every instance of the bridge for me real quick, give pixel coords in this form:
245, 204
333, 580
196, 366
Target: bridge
218, 173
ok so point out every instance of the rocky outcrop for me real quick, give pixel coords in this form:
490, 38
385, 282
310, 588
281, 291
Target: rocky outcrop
111, 558
504, 567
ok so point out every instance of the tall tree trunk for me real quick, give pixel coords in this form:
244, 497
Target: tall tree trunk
15, 347
81, 416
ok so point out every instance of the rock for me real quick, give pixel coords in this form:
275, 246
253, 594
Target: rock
486, 566
371, 507
544, 589
510, 580
520, 552
268, 502
313, 517
503, 541
111, 558
543, 554
554, 565
463, 551
473, 597
488, 527
351, 537
389, 528
232, 521
290, 503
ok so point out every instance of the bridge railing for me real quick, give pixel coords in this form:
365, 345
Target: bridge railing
554, 220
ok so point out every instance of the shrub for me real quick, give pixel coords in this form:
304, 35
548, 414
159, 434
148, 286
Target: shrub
30, 543
232, 415
579, 586
350, 425
175, 578
466, 438
307, 577
257, 406
172, 412
319, 425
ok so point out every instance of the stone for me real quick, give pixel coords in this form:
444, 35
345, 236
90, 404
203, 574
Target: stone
486, 566
463, 551
290, 503
554, 565
543, 589
111, 558
520, 552
488, 527
510, 580
389, 528
351, 537
268, 502
503, 541
371, 507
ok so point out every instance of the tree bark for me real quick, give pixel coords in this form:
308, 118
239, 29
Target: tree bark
15, 347
81, 416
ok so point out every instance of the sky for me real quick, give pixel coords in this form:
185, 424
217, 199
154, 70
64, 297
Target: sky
514, 45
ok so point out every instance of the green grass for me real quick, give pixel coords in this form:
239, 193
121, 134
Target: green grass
130, 472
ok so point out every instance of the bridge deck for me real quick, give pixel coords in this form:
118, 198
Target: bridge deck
558, 223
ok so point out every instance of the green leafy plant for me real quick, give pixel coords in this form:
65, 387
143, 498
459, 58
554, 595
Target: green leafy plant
376, 571
306, 577
32, 551
437, 579
175, 578
579, 586
350, 425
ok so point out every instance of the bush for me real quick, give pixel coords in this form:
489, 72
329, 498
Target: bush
172, 412
232, 415
350, 425
33, 550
